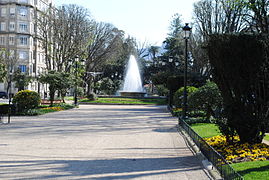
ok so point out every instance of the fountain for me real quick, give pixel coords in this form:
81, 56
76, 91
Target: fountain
132, 86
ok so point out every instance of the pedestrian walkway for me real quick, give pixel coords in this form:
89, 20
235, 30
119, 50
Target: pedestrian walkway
97, 142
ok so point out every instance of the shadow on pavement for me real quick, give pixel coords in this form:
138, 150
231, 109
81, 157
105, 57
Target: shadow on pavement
99, 169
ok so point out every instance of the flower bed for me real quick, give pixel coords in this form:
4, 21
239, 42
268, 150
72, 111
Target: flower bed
239, 152
53, 108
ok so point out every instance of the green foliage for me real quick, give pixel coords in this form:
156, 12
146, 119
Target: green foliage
160, 78
162, 90
175, 82
178, 96
80, 91
21, 80
240, 67
3, 72
92, 97
57, 81
26, 100
206, 98
106, 86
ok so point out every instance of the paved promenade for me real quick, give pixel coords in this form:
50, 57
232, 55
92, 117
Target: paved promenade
97, 142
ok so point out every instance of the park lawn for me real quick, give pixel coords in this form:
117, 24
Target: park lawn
127, 101
253, 169
206, 130
266, 137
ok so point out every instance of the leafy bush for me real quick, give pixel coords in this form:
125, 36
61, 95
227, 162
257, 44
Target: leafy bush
80, 91
162, 90
92, 97
26, 100
178, 96
207, 98
106, 86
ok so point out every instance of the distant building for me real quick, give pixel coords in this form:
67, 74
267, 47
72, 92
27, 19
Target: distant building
18, 36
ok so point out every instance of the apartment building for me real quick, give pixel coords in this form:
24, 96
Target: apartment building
18, 36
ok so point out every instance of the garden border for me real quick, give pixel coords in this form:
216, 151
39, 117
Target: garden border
223, 167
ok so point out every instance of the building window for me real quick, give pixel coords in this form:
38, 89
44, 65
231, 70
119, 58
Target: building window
22, 1
23, 40
2, 40
23, 55
22, 68
12, 26
12, 11
23, 27
2, 26
11, 40
3, 12
23, 11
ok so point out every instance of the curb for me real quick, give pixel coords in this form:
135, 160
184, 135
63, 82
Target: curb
210, 170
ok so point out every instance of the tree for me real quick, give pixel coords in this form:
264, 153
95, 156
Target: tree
9, 60
240, 67
67, 81
57, 81
214, 16
257, 17
104, 45
64, 33
219, 16
21, 80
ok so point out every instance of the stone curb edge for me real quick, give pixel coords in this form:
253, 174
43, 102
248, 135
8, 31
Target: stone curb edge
208, 167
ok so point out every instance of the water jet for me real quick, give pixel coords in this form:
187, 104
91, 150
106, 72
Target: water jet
132, 86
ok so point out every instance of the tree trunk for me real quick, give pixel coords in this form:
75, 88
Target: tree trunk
89, 82
247, 126
52, 93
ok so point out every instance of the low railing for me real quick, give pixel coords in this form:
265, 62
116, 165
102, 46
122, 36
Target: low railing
224, 168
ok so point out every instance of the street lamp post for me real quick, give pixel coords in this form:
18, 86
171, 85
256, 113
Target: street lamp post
76, 81
187, 32
9, 95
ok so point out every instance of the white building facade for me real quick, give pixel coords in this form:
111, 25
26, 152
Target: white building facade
18, 36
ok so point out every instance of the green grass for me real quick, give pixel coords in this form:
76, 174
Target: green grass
266, 137
206, 130
127, 101
69, 98
253, 170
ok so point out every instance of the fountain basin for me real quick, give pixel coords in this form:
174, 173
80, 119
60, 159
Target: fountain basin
132, 94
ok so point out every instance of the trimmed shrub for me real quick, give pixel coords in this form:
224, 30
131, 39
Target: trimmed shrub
26, 100
240, 69
178, 96
207, 98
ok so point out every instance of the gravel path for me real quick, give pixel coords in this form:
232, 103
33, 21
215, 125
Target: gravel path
97, 142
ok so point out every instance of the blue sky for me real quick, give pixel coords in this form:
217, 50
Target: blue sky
145, 20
